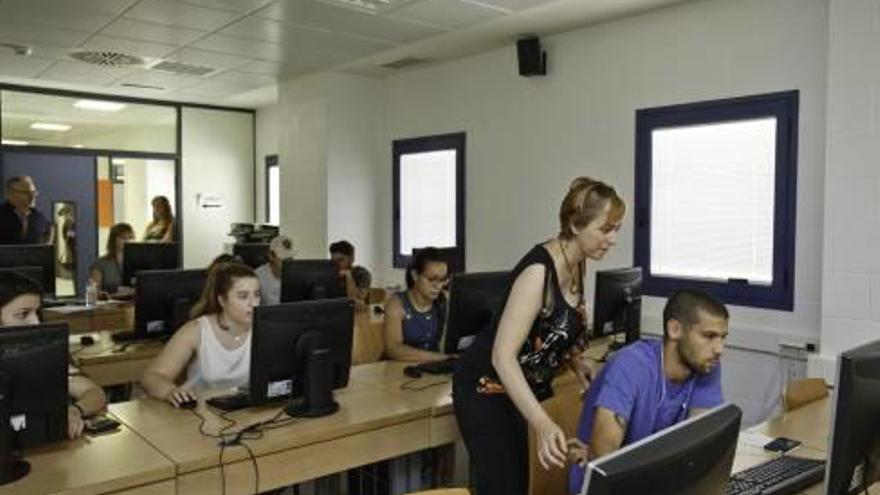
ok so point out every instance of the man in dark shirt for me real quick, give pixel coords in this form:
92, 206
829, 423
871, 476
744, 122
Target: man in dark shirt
20, 221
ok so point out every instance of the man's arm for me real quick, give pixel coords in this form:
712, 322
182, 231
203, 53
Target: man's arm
609, 428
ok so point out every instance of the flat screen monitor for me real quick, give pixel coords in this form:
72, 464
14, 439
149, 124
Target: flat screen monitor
41, 255
139, 256
252, 254
302, 351
854, 455
33, 392
693, 457
309, 280
475, 301
35, 273
163, 300
617, 305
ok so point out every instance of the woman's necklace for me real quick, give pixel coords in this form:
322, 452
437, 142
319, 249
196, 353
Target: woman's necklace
223, 326
575, 285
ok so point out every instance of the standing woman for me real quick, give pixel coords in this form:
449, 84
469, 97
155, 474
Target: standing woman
161, 229
508, 370
214, 347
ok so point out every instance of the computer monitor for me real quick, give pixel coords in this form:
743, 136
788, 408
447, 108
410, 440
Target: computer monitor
42, 255
854, 455
475, 300
693, 457
252, 254
301, 351
307, 280
35, 273
163, 300
33, 392
617, 304
139, 256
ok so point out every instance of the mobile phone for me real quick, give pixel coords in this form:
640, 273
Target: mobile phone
97, 426
782, 444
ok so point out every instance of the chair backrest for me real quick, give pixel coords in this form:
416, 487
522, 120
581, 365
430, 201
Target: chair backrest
377, 295
444, 491
803, 391
565, 409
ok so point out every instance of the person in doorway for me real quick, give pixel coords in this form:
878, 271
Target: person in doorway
161, 228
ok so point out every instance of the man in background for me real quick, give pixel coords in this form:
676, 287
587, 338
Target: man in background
20, 221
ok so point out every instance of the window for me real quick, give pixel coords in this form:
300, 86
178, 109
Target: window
273, 191
715, 198
429, 196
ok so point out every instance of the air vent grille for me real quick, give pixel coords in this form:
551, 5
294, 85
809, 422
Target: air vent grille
404, 62
142, 86
181, 68
107, 58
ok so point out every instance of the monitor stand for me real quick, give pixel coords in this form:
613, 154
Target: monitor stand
12, 467
317, 398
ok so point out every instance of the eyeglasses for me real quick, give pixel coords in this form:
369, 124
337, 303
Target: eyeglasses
28, 192
436, 280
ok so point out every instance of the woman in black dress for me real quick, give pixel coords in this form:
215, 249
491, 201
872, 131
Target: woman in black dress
508, 370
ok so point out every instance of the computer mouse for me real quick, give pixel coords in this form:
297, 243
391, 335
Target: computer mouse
86, 340
188, 404
412, 372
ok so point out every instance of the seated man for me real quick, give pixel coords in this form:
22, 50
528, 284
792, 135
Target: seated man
357, 278
269, 274
651, 385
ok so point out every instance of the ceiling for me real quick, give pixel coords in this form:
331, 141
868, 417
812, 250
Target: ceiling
249, 45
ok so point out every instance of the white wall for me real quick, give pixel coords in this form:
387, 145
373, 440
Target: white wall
218, 159
528, 137
851, 275
268, 130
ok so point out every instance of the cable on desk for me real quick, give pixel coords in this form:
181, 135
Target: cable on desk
407, 385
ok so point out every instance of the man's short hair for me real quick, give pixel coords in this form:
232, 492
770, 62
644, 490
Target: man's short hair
13, 181
684, 306
342, 247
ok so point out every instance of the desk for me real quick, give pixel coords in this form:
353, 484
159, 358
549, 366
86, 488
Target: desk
121, 463
106, 365
107, 316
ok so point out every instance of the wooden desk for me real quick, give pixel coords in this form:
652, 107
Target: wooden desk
106, 363
118, 463
109, 316
372, 425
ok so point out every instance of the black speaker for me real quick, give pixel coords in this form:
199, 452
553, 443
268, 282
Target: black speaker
532, 60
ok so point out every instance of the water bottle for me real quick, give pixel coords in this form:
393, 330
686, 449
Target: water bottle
91, 293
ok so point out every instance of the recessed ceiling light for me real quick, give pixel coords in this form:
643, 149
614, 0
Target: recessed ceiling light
77, 146
48, 126
99, 105
14, 142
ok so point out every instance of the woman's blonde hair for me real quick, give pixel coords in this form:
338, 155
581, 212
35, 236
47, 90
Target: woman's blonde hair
584, 202
220, 280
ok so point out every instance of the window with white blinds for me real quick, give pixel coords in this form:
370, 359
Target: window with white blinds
715, 198
429, 196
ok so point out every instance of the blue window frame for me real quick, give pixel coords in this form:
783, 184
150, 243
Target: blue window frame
716, 196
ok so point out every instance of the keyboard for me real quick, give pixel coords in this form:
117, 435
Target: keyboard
231, 402
442, 367
780, 476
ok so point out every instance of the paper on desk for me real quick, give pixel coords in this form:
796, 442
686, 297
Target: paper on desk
71, 308
754, 439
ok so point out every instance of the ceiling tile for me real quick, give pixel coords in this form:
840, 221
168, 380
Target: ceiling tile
149, 31
332, 18
298, 37
208, 58
239, 46
64, 15
257, 28
166, 81
130, 47
174, 13
238, 6
452, 14
45, 52
36, 33
16, 66
229, 83
267, 68
515, 5
78, 72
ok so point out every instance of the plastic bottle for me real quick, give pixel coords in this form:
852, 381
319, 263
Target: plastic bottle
91, 293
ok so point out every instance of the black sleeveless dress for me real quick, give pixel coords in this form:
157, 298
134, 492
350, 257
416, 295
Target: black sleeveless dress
493, 429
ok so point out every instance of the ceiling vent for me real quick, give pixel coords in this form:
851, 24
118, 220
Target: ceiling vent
370, 6
182, 69
142, 86
404, 62
107, 58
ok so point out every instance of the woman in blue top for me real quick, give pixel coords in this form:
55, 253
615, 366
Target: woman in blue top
414, 318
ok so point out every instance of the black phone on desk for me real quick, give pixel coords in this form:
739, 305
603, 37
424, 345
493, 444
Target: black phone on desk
782, 445
99, 425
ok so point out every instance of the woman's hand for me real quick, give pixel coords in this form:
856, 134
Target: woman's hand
179, 395
75, 423
552, 447
577, 451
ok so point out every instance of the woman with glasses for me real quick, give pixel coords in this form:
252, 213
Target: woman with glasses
414, 318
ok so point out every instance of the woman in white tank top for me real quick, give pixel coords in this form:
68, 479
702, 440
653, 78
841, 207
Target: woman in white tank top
214, 347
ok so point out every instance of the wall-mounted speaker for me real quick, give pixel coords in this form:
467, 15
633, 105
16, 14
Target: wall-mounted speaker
532, 60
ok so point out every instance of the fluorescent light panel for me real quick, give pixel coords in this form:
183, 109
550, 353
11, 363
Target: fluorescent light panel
48, 126
14, 142
99, 105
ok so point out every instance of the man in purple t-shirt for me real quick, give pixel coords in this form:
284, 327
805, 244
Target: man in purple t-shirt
651, 385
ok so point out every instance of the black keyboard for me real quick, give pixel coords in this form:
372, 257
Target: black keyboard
780, 476
231, 402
